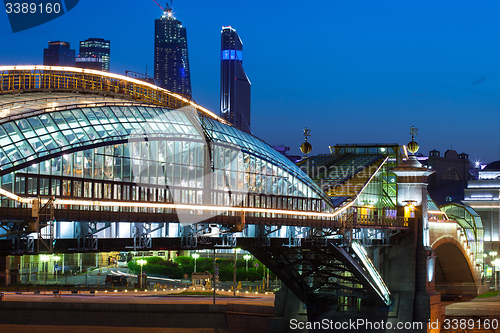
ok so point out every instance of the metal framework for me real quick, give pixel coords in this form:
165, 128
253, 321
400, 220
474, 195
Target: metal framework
53, 78
43, 211
320, 273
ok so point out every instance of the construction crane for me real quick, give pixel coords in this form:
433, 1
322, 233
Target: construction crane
168, 7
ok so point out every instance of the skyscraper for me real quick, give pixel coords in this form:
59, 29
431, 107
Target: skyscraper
59, 54
94, 54
234, 83
171, 55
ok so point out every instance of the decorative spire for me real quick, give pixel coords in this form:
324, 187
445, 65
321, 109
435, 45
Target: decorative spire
413, 145
306, 147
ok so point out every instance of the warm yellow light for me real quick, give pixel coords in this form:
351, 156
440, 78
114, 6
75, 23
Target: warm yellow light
114, 76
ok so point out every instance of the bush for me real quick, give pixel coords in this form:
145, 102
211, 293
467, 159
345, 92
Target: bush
185, 265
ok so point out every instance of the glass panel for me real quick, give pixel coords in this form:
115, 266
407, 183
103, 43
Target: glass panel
25, 128
100, 115
59, 120
48, 122
70, 119
37, 125
13, 131
4, 138
91, 116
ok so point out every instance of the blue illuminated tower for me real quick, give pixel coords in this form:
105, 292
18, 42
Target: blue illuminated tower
234, 83
171, 55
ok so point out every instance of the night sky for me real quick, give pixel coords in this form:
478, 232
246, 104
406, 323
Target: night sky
352, 71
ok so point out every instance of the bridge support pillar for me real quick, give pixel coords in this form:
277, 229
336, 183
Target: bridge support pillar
287, 307
411, 265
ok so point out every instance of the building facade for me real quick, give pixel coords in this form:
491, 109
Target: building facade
94, 54
171, 55
59, 54
483, 195
234, 83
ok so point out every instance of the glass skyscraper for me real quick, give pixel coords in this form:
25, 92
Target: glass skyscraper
59, 54
234, 83
94, 54
171, 55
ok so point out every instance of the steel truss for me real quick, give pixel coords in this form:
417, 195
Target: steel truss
44, 223
313, 273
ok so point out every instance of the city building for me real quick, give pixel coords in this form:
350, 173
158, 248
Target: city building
89, 63
171, 55
450, 178
483, 195
234, 83
94, 54
59, 54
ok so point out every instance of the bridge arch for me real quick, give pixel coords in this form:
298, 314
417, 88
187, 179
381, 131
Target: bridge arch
455, 272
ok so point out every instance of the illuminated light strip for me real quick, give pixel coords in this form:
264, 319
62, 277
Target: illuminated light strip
9, 195
168, 206
438, 212
372, 271
405, 150
195, 207
188, 207
114, 76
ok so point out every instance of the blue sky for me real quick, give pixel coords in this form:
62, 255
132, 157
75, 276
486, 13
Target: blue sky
352, 71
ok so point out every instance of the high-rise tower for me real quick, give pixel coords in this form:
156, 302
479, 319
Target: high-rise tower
94, 54
171, 55
234, 83
59, 54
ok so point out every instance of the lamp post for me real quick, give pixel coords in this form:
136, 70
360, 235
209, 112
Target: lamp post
195, 256
142, 262
247, 257
493, 254
495, 263
56, 259
45, 259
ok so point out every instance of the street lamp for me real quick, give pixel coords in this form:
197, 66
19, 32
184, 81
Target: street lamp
247, 257
142, 262
195, 256
495, 264
56, 259
45, 259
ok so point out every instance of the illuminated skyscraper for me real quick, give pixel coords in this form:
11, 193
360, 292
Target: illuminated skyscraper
59, 54
94, 54
171, 55
234, 83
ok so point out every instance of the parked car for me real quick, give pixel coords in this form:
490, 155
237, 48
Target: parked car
116, 279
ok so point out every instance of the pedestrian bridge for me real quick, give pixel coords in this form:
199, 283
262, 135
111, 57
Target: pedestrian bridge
92, 161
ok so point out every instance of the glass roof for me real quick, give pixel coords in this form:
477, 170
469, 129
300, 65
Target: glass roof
38, 126
30, 138
219, 132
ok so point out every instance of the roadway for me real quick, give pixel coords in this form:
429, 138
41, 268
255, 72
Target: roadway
488, 306
150, 297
